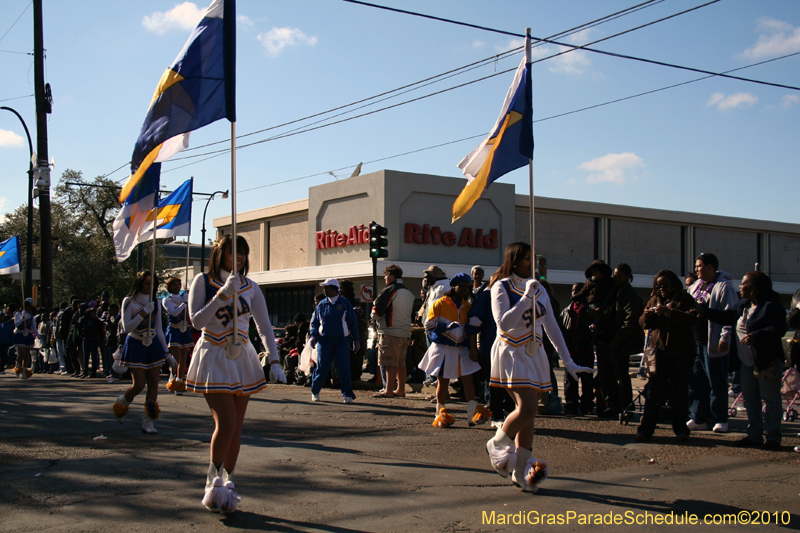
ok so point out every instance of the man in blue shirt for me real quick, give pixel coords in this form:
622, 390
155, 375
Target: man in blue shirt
333, 327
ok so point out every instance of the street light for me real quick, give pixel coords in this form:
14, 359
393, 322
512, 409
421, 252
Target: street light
203, 231
29, 244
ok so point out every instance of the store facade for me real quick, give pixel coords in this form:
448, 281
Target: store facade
294, 246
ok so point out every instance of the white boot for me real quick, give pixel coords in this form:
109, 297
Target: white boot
215, 491
501, 452
232, 498
528, 473
471, 406
148, 427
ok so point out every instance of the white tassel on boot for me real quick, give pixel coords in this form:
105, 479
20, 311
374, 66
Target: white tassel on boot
231, 498
216, 494
501, 452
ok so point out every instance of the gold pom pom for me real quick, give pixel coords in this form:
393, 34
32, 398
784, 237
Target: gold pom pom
152, 410
120, 410
537, 473
443, 419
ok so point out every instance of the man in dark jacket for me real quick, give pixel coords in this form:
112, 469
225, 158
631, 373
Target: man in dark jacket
63, 322
575, 325
599, 294
628, 334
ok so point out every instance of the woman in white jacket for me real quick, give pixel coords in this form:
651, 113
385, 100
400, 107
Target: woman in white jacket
144, 350
520, 365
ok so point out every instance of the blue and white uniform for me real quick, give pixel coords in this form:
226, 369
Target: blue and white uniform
512, 365
211, 370
448, 355
25, 329
145, 346
179, 334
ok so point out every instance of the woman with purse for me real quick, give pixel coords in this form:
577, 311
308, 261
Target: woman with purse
759, 319
671, 341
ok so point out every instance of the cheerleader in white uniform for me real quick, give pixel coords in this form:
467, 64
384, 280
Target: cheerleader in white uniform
519, 364
227, 376
448, 355
25, 331
179, 336
144, 350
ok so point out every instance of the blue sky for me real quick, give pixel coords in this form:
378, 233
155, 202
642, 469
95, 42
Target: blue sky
716, 146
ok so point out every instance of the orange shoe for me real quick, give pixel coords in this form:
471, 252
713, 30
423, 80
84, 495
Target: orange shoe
443, 419
173, 385
481, 416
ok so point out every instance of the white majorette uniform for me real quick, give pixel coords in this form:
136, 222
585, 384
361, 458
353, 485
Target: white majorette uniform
512, 364
145, 346
211, 370
178, 332
24, 329
448, 355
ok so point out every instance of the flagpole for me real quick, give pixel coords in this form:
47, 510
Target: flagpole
234, 266
153, 268
530, 195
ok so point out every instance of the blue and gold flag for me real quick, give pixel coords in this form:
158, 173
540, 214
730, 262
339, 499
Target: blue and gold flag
9, 256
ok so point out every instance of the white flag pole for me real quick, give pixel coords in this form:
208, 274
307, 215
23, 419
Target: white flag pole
234, 353
150, 332
530, 183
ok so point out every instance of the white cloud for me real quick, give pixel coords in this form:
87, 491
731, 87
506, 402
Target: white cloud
777, 38
9, 138
2, 210
244, 20
789, 100
724, 103
613, 168
183, 16
477, 43
574, 62
581, 37
276, 39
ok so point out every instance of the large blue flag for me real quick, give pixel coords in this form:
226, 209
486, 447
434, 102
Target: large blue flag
508, 147
198, 89
9, 256
174, 214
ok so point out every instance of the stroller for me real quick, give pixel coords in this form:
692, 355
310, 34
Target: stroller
790, 391
634, 411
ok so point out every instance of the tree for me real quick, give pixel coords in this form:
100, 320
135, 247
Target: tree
84, 260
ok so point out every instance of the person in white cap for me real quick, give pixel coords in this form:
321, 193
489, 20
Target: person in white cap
24, 332
334, 326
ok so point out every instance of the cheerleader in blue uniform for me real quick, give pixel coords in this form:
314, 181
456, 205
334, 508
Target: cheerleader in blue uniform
227, 374
179, 336
144, 350
25, 331
520, 365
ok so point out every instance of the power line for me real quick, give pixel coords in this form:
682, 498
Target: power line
586, 46
17, 98
15, 22
424, 82
630, 97
12, 52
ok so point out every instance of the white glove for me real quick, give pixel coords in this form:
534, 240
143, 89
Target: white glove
313, 341
456, 329
475, 321
149, 308
276, 374
530, 287
230, 286
574, 370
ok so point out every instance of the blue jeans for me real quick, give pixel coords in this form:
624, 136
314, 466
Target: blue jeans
61, 350
708, 388
756, 389
329, 349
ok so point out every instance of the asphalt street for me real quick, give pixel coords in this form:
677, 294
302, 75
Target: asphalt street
374, 465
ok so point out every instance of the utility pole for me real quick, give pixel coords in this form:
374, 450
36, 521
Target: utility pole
42, 171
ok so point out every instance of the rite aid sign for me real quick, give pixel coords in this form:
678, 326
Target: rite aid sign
413, 234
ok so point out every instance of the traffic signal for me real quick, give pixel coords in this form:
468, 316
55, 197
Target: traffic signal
541, 266
378, 241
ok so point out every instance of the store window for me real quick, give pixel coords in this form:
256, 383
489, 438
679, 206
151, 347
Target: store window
284, 303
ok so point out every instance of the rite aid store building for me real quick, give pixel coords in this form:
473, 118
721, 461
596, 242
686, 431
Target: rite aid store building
294, 246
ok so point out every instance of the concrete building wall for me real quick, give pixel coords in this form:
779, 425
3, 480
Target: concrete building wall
784, 258
288, 240
737, 251
645, 246
254, 236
